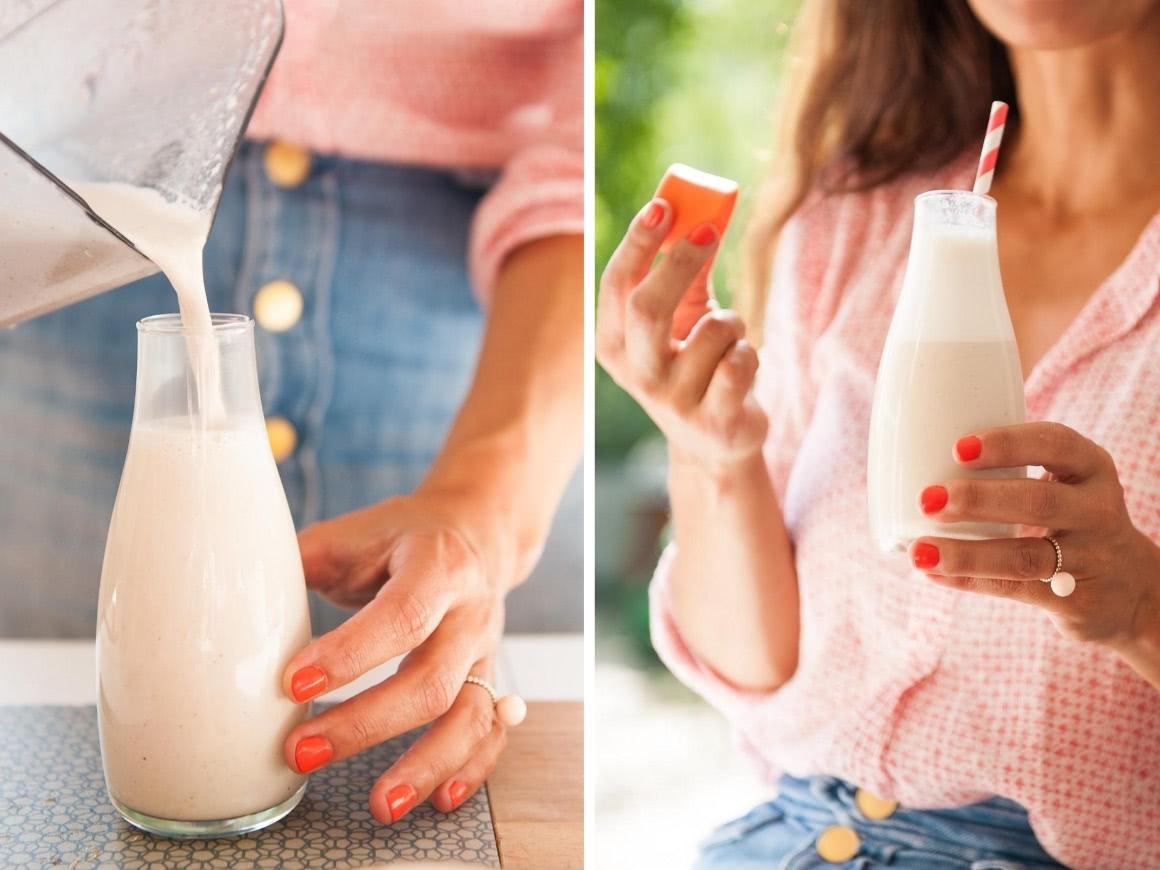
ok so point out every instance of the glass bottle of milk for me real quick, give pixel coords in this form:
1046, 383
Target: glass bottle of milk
202, 599
950, 367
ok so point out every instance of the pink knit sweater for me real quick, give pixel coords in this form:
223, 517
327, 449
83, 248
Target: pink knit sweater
492, 86
921, 693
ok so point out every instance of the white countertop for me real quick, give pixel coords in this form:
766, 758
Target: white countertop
540, 667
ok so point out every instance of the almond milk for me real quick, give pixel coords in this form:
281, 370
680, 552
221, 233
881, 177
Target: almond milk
202, 600
950, 367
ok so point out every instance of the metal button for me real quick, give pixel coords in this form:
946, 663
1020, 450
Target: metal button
838, 844
873, 807
287, 164
283, 437
278, 306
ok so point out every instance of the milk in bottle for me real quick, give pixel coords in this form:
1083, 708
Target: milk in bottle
950, 367
202, 599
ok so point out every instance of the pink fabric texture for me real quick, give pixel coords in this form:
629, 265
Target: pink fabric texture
927, 695
497, 86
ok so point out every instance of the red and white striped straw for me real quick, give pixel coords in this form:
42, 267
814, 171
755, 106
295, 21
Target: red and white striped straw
995, 127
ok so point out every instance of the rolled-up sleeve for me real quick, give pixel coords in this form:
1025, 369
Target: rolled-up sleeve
540, 191
539, 194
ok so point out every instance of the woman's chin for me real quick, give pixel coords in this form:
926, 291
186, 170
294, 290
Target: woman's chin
1057, 25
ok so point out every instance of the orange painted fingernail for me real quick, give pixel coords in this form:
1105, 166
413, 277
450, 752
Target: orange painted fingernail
458, 792
925, 555
933, 499
307, 683
968, 448
311, 753
654, 212
703, 235
400, 799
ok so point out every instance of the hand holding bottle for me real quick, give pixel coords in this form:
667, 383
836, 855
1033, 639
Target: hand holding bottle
414, 566
1116, 599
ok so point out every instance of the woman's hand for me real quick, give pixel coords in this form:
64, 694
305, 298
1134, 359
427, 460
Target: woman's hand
663, 340
414, 567
1080, 502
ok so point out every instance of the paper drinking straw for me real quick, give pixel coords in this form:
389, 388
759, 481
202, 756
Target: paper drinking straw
995, 127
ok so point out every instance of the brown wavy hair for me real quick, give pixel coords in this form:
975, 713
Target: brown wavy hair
873, 89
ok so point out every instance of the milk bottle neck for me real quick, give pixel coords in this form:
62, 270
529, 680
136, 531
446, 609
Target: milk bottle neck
956, 211
190, 378
953, 291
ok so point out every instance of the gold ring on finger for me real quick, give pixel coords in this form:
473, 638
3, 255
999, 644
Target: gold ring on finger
485, 685
511, 709
1062, 583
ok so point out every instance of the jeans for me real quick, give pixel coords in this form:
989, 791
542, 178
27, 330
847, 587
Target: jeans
990, 835
370, 377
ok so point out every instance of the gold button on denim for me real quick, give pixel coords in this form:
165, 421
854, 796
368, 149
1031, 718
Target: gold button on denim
287, 164
873, 807
283, 437
838, 844
278, 306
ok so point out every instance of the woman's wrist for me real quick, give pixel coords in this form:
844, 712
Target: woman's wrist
720, 474
485, 492
1139, 643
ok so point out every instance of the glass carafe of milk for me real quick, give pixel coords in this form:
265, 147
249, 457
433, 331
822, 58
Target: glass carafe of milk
950, 367
202, 599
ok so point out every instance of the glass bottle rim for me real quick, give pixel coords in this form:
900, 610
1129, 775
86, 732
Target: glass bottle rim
170, 324
984, 197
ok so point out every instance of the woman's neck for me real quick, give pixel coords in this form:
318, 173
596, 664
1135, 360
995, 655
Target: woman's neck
1089, 128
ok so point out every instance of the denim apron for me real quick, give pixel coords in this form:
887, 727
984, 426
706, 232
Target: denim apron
369, 377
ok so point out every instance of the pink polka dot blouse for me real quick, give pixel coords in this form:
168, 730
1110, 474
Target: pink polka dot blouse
495, 87
920, 693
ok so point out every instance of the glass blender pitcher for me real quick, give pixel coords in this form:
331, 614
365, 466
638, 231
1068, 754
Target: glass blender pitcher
153, 93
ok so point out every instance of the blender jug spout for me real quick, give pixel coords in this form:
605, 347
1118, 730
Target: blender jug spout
150, 93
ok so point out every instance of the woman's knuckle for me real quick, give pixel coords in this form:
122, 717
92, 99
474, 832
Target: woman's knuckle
971, 496
644, 306
1060, 439
1024, 561
364, 731
716, 329
1043, 501
607, 347
352, 659
437, 693
479, 719
685, 258
956, 560
1008, 588
411, 618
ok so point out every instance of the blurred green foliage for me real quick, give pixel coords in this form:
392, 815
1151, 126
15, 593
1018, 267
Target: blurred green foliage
691, 82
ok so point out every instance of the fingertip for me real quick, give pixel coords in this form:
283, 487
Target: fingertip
654, 215
377, 804
703, 235
303, 683
968, 448
442, 798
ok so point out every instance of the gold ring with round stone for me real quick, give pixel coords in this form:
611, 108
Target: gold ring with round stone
511, 709
1062, 583
485, 685
1058, 558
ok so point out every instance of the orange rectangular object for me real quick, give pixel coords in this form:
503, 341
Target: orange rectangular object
696, 198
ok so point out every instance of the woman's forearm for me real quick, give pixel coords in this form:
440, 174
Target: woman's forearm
734, 587
518, 435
